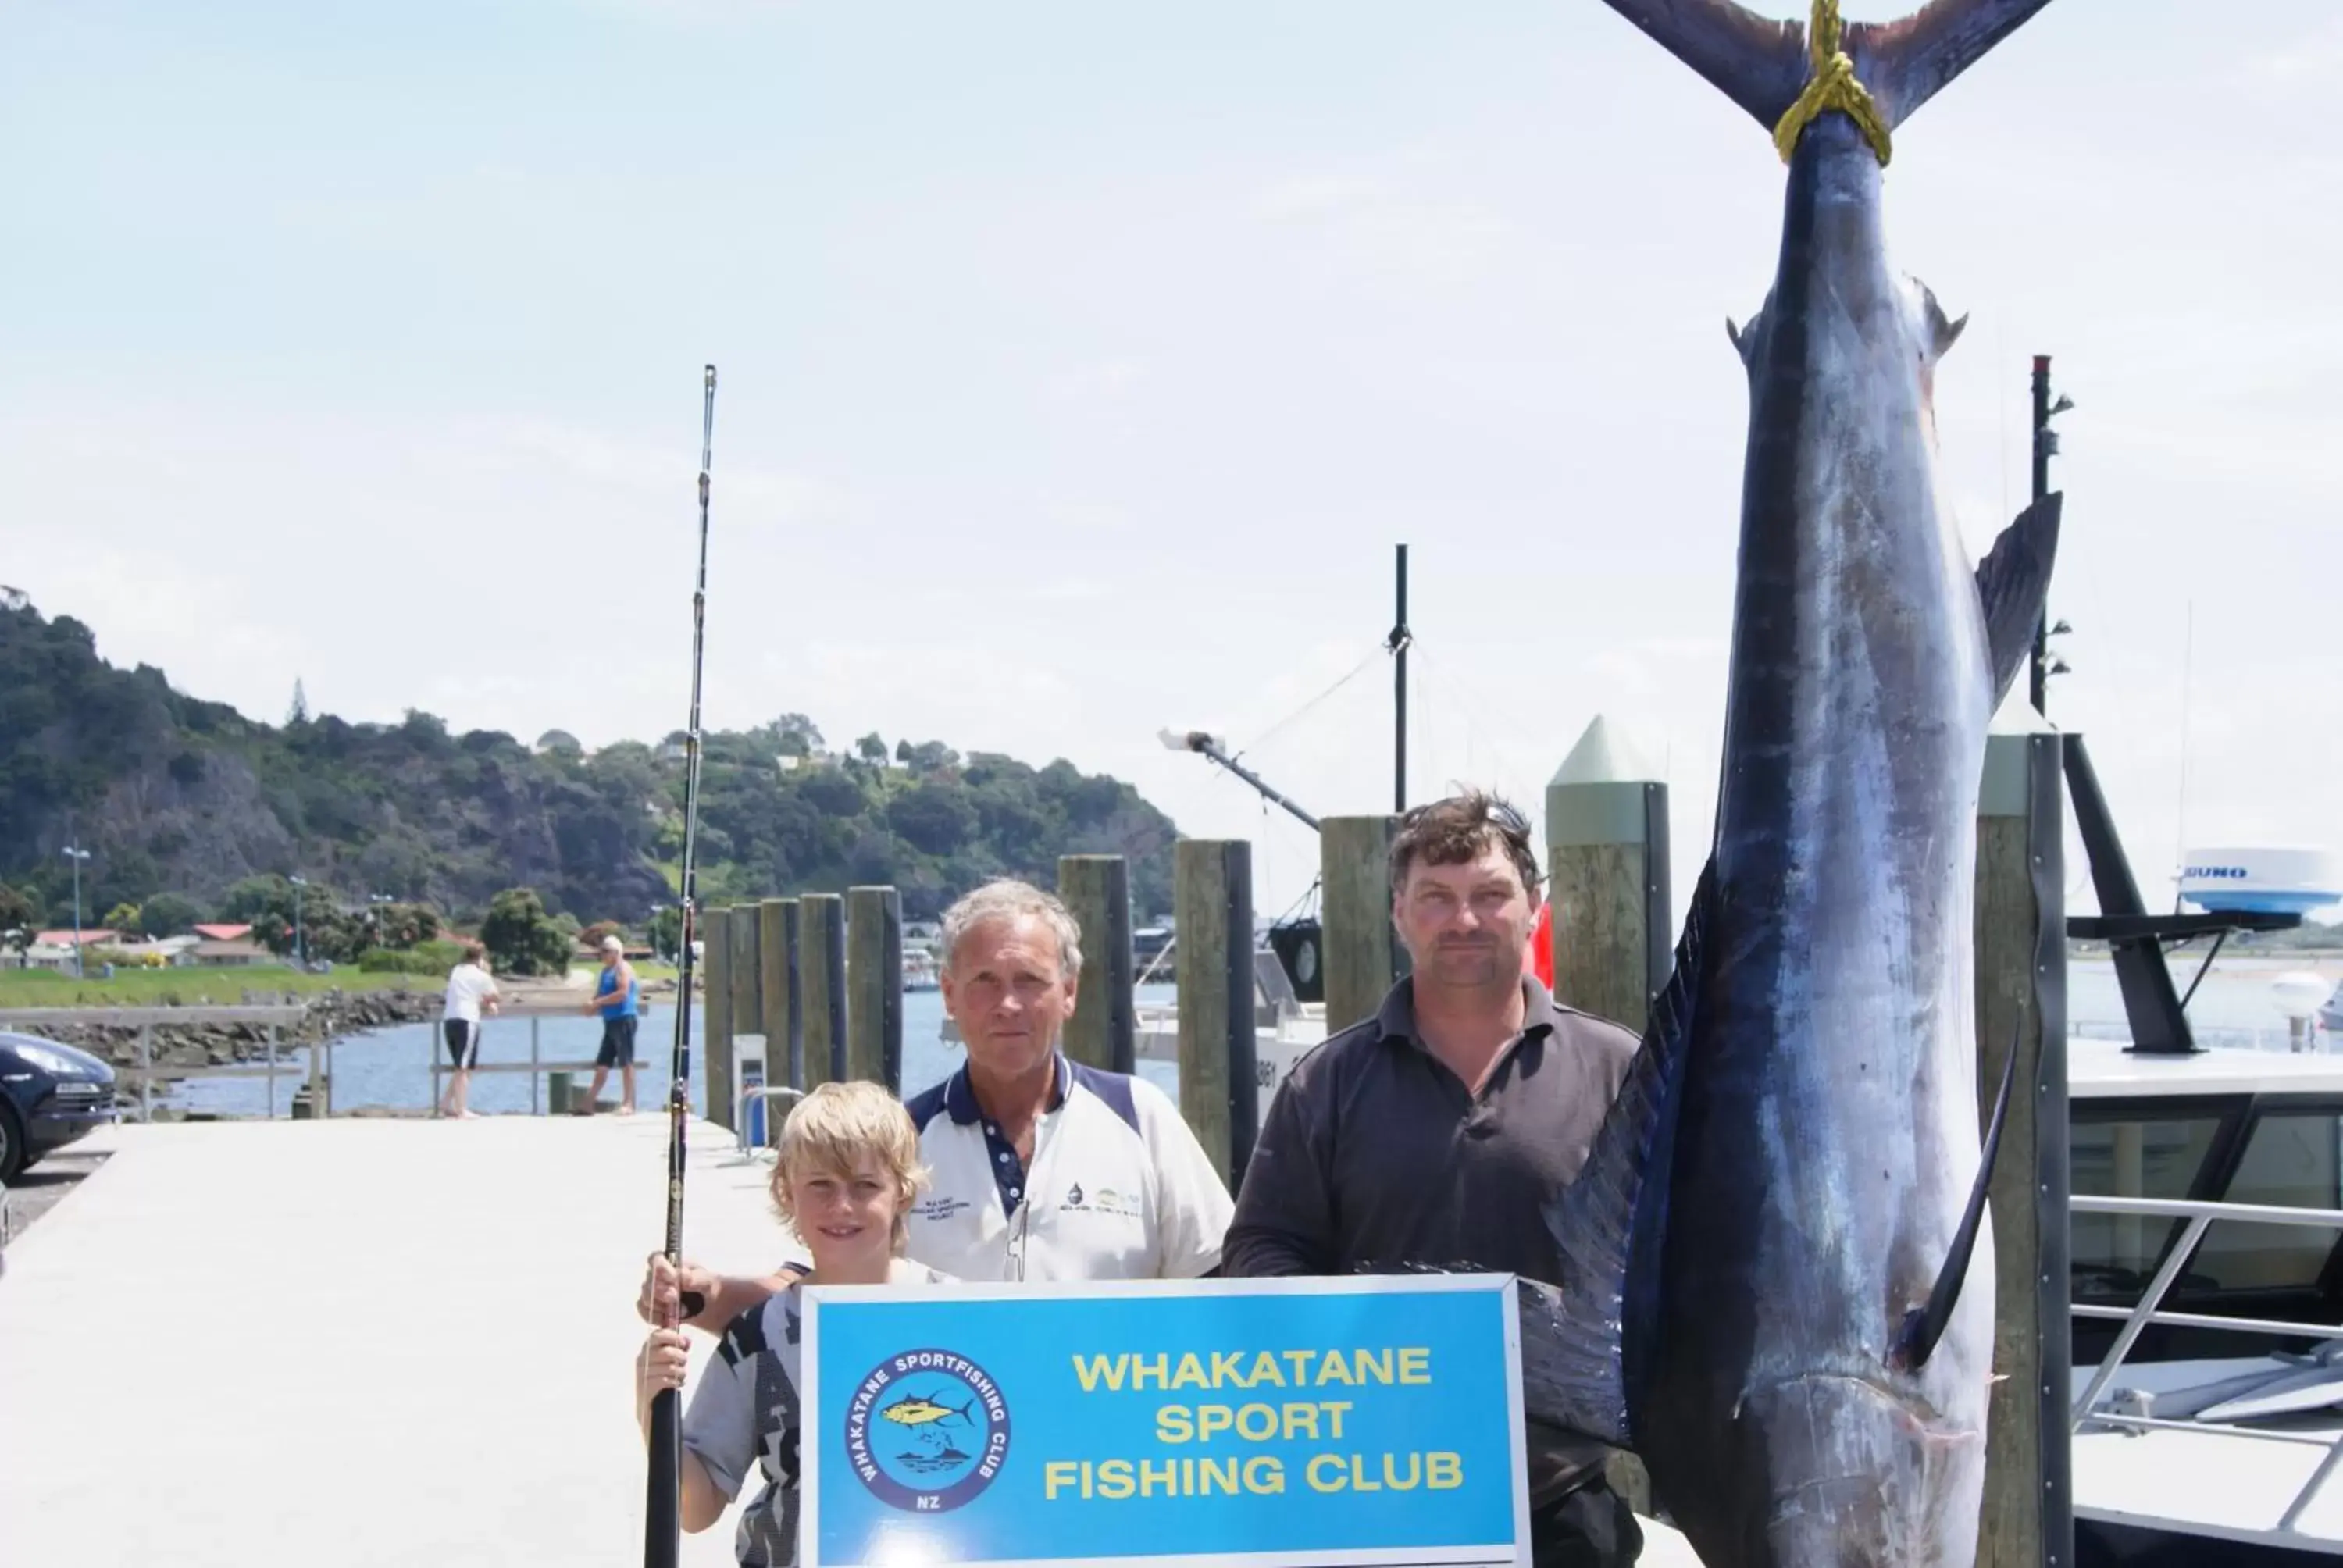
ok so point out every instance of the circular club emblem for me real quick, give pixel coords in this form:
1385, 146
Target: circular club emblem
926, 1430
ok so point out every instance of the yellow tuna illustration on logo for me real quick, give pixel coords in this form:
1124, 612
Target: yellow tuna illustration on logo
912, 1410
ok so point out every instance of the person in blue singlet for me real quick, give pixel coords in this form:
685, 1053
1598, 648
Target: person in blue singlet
618, 999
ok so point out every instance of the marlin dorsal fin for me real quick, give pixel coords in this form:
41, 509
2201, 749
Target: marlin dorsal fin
2012, 582
1578, 1370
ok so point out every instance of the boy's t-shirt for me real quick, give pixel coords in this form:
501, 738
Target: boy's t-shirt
745, 1410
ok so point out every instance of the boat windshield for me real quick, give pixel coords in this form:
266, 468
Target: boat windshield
2231, 1149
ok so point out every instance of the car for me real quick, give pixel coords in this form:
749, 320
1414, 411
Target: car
51, 1095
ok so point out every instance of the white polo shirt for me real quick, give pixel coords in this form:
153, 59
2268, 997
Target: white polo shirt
1119, 1187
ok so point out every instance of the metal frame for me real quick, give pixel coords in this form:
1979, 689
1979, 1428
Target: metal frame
2137, 1318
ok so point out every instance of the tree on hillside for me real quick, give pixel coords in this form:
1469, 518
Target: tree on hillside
20, 912
167, 915
298, 713
521, 938
121, 917
872, 748
667, 930
401, 927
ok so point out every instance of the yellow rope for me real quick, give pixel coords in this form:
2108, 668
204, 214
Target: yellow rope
1832, 86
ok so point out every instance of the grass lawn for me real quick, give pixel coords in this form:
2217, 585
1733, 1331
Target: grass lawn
184, 987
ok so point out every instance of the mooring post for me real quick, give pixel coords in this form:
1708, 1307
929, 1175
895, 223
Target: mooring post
747, 1000
715, 935
874, 974
793, 962
1606, 836
1211, 899
2028, 1519
1606, 845
821, 970
1103, 1032
777, 962
1362, 948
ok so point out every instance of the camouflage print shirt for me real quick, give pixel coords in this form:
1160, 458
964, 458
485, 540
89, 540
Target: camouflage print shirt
745, 1411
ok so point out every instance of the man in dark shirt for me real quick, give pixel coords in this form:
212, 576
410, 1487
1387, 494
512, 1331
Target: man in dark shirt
1437, 1131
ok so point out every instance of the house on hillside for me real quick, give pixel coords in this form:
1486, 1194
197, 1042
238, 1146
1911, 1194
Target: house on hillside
54, 949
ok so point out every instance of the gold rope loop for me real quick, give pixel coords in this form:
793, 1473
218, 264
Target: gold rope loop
1832, 86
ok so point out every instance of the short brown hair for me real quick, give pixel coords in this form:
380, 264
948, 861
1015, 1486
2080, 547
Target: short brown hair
1461, 829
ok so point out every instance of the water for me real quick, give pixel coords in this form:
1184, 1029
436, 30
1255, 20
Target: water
390, 1067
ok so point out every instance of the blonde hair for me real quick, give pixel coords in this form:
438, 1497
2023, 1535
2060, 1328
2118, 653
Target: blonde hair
837, 1126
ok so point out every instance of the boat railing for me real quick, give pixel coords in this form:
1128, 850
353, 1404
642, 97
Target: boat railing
2199, 1216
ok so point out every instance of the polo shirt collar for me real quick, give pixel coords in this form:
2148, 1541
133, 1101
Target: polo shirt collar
1397, 1017
960, 1095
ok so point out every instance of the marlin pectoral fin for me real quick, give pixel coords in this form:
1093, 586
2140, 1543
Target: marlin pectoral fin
1576, 1372
1758, 62
2011, 582
1923, 1326
1904, 63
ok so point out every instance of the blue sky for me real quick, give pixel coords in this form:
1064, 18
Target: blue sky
1081, 365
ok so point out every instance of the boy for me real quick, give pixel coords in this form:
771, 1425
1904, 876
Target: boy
848, 1171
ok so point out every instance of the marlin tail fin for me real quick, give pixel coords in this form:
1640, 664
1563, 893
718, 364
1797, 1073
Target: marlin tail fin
1923, 1326
1764, 64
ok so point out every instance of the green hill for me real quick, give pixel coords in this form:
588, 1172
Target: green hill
178, 796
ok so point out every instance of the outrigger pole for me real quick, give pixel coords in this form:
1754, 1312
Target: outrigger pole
662, 1518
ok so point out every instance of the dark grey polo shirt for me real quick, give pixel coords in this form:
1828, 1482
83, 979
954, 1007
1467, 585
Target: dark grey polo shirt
1375, 1153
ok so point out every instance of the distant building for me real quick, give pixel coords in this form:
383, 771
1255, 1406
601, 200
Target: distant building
239, 953
222, 933
54, 949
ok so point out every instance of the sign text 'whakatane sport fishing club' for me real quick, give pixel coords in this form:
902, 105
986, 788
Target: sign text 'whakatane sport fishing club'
1254, 1422
1347, 1420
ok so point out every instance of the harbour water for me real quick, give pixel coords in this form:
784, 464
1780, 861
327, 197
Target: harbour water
390, 1067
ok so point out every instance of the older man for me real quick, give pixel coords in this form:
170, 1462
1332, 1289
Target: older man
1437, 1131
1041, 1169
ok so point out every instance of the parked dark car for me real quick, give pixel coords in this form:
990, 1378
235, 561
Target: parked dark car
50, 1095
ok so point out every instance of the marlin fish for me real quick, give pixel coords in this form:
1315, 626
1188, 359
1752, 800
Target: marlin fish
1772, 1288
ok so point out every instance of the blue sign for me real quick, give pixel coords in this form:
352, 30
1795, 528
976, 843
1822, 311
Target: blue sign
1320, 1421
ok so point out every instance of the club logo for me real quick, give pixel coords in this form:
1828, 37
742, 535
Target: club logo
926, 1430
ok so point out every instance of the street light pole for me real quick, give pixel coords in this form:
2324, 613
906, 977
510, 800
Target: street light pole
380, 902
300, 949
77, 855
2045, 446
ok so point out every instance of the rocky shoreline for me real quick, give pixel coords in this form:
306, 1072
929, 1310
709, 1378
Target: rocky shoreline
325, 1016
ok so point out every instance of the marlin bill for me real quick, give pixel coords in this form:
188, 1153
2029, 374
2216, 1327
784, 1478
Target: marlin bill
1778, 1280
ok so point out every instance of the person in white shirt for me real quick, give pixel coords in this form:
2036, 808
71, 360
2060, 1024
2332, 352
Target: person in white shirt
1040, 1168
471, 990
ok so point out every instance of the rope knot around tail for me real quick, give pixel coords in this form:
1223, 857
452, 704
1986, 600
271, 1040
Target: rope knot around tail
1832, 85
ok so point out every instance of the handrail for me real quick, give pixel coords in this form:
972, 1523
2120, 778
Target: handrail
2200, 1216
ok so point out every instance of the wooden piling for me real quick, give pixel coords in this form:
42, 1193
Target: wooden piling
1212, 897
715, 937
821, 971
1103, 1032
2027, 1519
1606, 833
777, 984
745, 971
1361, 946
874, 972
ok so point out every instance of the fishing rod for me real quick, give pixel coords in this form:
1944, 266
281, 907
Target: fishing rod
662, 1515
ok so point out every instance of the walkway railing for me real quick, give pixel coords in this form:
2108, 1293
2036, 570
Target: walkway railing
2137, 1318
